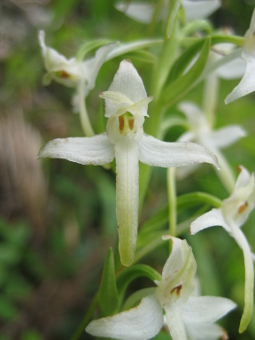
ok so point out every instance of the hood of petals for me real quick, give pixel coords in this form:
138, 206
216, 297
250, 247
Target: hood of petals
61, 69
178, 274
238, 206
129, 85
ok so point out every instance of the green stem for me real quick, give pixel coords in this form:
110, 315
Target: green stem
171, 189
85, 122
80, 329
210, 97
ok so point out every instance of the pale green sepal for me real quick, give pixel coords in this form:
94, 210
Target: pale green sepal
177, 89
108, 292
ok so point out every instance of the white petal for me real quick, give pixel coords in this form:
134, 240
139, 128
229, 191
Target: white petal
246, 85
140, 323
95, 150
192, 112
249, 278
157, 153
204, 310
178, 275
128, 82
210, 219
140, 12
243, 178
226, 136
175, 322
251, 29
93, 65
127, 197
55, 62
233, 70
116, 97
208, 332
200, 9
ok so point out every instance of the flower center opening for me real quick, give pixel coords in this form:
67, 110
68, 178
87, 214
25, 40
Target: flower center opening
126, 123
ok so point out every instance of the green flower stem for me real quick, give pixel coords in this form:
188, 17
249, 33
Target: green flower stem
194, 198
210, 97
171, 189
80, 329
85, 122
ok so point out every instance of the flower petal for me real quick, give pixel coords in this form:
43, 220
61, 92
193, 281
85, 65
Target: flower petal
140, 12
175, 322
127, 197
157, 153
246, 85
200, 9
210, 219
128, 82
95, 150
204, 310
69, 69
208, 332
226, 136
233, 70
243, 178
92, 66
140, 323
178, 274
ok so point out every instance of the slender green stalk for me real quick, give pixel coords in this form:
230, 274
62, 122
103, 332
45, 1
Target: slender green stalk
80, 329
210, 97
171, 189
85, 122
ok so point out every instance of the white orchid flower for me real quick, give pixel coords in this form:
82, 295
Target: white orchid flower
247, 84
70, 72
185, 315
143, 12
126, 106
231, 216
202, 133
80, 75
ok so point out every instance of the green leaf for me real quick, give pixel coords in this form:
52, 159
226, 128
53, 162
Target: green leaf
89, 46
9, 254
173, 10
178, 88
165, 61
108, 293
129, 274
7, 310
184, 60
31, 335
